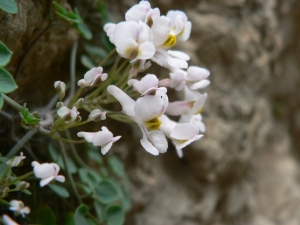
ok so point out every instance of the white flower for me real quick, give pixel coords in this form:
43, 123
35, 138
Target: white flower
147, 85
146, 112
92, 77
60, 88
68, 114
181, 27
47, 172
103, 138
8, 221
22, 185
133, 40
16, 160
171, 59
142, 12
96, 115
138, 66
196, 77
109, 28
19, 207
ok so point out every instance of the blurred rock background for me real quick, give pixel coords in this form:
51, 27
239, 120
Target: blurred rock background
246, 168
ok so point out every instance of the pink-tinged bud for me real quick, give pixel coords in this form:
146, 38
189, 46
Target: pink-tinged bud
60, 88
97, 115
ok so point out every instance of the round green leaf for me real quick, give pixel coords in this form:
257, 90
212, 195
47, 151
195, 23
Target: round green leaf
7, 82
116, 166
5, 54
114, 215
80, 213
106, 191
9, 6
59, 190
45, 216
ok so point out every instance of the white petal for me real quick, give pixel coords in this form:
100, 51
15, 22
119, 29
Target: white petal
178, 108
195, 73
60, 178
126, 46
46, 181
161, 30
177, 63
106, 148
146, 50
198, 105
186, 32
159, 140
136, 13
126, 29
102, 138
200, 84
179, 55
63, 111
148, 146
44, 170
88, 136
8, 221
126, 102
184, 131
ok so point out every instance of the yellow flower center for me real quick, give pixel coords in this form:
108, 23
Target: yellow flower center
153, 124
170, 42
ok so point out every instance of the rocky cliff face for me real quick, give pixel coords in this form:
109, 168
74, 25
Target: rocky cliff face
245, 169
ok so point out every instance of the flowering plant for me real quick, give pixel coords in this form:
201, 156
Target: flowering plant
143, 38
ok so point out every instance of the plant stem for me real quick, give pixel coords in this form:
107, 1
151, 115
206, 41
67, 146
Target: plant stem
64, 156
20, 178
21, 143
57, 137
3, 201
107, 57
12, 103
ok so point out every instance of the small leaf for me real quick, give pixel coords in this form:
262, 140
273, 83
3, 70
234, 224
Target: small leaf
84, 31
95, 51
114, 215
59, 7
94, 154
1, 102
9, 6
7, 82
59, 190
57, 157
87, 62
26, 191
70, 219
80, 213
116, 166
5, 54
106, 191
89, 177
27, 117
67, 18
45, 216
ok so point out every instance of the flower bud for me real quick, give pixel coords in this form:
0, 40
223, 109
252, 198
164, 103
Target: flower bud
79, 103
60, 88
96, 115
22, 185
16, 160
59, 105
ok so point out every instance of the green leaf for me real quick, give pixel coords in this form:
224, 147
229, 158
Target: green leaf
114, 215
45, 216
5, 54
27, 117
7, 82
26, 191
60, 191
87, 62
69, 17
1, 102
94, 154
84, 31
9, 6
80, 213
59, 8
106, 191
89, 177
57, 157
95, 51
70, 219
3, 168
123, 194
116, 166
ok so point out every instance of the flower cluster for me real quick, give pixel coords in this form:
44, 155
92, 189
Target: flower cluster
145, 37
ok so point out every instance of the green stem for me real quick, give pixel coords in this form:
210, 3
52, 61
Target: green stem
56, 137
75, 97
4, 202
21, 143
12, 103
64, 156
79, 124
74, 152
20, 178
107, 57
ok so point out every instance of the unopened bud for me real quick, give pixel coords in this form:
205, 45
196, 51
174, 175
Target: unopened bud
59, 105
16, 160
96, 115
79, 103
60, 88
22, 185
